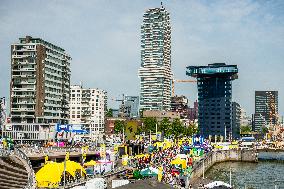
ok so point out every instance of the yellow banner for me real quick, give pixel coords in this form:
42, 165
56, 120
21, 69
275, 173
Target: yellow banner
67, 156
103, 150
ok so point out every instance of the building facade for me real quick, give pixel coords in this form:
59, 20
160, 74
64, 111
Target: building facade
2, 112
180, 104
130, 107
40, 82
160, 115
236, 120
266, 109
155, 71
192, 113
214, 84
88, 108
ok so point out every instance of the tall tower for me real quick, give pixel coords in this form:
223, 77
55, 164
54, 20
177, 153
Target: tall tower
266, 109
214, 84
155, 71
40, 82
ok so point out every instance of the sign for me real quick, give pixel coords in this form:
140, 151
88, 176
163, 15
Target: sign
74, 128
45, 159
159, 136
115, 148
9, 127
20, 135
67, 156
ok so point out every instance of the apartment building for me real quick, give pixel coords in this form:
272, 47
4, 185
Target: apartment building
155, 71
40, 82
87, 107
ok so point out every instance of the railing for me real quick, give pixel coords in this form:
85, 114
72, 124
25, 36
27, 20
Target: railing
31, 175
4, 153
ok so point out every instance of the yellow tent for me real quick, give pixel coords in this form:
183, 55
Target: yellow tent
72, 167
179, 161
49, 176
90, 163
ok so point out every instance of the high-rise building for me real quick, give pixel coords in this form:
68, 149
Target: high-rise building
266, 109
155, 71
192, 114
2, 112
236, 120
130, 107
245, 119
180, 104
87, 107
40, 82
214, 84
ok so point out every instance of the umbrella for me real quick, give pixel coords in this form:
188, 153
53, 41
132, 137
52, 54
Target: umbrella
217, 184
179, 161
147, 172
136, 174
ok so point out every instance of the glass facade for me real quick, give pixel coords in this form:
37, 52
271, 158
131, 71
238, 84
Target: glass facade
155, 71
266, 109
214, 84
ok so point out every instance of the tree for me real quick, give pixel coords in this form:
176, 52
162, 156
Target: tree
264, 130
191, 130
165, 127
177, 127
245, 129
149, 124
118, 126
109, 113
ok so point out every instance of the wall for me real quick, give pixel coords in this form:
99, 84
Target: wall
221, 156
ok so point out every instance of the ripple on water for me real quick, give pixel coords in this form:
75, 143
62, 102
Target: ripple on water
253, 175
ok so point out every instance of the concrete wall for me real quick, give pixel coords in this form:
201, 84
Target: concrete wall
221, 156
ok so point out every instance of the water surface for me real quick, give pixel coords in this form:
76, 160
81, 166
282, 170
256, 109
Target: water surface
262, 175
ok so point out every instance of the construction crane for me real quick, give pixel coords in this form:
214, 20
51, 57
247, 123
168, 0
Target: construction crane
180, 81
123, 107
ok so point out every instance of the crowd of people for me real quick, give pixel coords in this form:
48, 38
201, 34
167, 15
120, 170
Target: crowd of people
161, 159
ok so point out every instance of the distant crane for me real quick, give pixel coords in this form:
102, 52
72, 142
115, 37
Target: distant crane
180, 81
123, 107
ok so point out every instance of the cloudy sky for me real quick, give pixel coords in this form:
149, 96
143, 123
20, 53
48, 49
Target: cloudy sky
103, 38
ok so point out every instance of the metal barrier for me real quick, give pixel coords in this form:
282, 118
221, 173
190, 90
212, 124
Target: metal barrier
31, 174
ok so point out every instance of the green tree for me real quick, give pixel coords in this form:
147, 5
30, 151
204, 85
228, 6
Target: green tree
109, 113
245, 129
191, 130
118, 126
177, 128
264, 130
149, 124
165, 127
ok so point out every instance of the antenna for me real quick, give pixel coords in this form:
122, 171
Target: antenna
162, 4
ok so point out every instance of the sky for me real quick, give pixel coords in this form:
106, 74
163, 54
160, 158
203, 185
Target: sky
103, 39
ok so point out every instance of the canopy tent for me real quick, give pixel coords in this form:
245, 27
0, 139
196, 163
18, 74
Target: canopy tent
179, 161
137, 175
50, 175
72, 167
90, 163
148, 172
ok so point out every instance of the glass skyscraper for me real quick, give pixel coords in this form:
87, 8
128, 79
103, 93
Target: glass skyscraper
266, 109
214, 84
155, 71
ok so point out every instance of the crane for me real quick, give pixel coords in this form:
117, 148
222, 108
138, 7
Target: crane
123, 107
180, 81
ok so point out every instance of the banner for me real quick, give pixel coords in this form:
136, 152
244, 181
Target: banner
103, 151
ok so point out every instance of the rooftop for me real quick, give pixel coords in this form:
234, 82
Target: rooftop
212, 69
